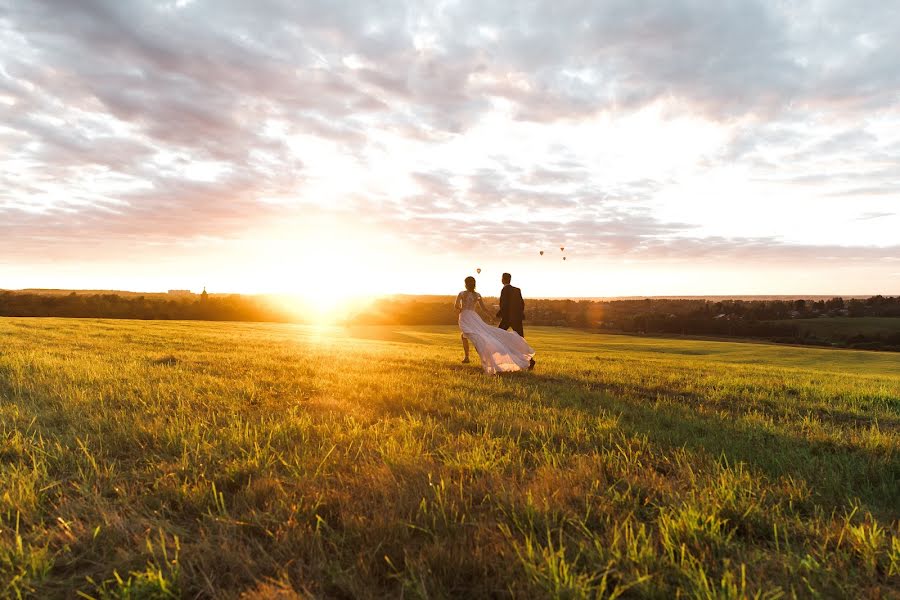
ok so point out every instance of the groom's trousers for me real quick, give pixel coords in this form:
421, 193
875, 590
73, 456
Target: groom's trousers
516, 326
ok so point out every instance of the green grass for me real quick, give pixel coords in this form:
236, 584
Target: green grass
835, 327
157, 460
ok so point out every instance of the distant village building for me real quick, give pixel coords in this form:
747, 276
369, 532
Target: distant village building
204, 296
180, 292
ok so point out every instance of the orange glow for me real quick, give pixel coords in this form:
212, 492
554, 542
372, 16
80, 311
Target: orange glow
323, 270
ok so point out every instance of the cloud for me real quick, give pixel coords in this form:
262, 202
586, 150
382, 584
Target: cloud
875, 215
154, 123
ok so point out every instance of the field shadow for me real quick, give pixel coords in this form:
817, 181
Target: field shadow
166, 361
736, 405
384, 334
836, 472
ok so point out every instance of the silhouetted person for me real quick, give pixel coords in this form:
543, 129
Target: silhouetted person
512, 309
512, 306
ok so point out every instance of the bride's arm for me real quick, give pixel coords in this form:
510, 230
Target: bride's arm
458, 304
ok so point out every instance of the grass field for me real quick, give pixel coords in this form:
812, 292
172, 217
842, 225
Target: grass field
835, 327
187, 459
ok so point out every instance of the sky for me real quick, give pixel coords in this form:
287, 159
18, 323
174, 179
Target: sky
334, 148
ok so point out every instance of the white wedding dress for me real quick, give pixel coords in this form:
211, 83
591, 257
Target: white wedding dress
500, 351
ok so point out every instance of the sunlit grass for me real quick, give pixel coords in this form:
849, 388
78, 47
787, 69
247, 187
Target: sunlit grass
149, 459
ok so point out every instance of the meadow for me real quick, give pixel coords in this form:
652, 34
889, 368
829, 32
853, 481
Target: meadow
847, 326
196, 459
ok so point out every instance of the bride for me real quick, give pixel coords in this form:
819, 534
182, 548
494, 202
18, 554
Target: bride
500, 351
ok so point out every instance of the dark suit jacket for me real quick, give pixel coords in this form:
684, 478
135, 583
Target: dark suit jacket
512, 306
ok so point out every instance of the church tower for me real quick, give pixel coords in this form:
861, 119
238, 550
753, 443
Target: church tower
204, 296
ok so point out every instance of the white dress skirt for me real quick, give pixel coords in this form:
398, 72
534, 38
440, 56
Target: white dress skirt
500, 351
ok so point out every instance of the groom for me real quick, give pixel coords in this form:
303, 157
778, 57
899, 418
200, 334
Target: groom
512, 306
512, 310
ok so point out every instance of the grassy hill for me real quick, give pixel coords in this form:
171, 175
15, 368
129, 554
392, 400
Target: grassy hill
185, 459
844, 327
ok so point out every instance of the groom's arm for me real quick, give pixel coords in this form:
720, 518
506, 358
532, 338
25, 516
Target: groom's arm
503, 303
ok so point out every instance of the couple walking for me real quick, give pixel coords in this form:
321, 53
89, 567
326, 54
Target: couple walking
500, 350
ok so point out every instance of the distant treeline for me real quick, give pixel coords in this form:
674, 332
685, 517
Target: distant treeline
154, 306
774, 320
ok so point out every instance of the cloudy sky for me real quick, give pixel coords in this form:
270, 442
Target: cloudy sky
672, 147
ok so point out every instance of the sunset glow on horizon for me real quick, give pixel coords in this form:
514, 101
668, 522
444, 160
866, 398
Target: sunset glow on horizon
338, 151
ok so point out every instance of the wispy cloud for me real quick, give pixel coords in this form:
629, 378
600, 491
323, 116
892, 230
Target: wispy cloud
612, 125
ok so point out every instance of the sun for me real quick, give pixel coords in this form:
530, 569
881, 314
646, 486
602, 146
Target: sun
324, 273
332, 299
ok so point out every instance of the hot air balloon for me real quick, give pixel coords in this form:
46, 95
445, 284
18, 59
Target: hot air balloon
564, 258
562, 248
542, 252
478, 271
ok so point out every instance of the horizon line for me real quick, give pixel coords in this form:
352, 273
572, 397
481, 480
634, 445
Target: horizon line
774, 296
